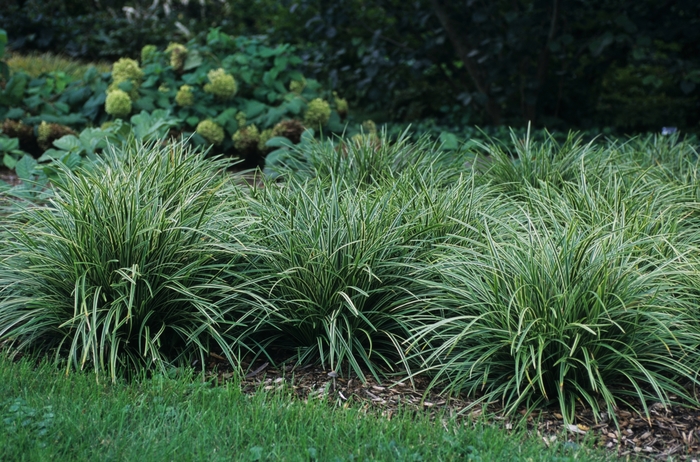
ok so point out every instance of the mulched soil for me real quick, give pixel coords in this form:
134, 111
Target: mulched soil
8, 176
668, 432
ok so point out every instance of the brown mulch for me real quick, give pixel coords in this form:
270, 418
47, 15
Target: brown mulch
668, 432
8, 176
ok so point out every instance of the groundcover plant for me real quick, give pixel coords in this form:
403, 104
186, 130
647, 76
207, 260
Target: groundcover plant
339, 263
580, 293
118, 270
558, 289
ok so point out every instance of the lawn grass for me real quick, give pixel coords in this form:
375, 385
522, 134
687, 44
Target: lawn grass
47, 415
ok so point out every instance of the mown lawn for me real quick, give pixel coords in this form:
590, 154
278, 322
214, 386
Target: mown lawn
48, 416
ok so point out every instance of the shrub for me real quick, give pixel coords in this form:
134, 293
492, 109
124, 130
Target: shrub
48, 133
127, 76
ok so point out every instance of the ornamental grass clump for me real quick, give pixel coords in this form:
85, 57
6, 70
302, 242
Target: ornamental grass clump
118, 272
533, 163
340, 260
541, 313
662, 158
365, 160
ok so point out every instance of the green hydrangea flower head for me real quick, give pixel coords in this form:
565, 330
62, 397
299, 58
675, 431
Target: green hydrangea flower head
297, 86
118, 103
368, 135
246, 138
317, 113
178, 53
211, 131
163, 88
127, 69
341, 104
184, 96
368, 126
148, 52
264, 138
221, 84
241, 119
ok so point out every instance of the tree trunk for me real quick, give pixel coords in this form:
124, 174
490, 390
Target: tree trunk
542, 65
463, 48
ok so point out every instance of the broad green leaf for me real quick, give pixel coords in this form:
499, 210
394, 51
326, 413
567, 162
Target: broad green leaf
25, 168
296, 75
227, 119
50, 155
281, 63
150, 82
295, 106
246, 75
126, 86
72, 160
15, 113
241, 58
449, 141
9, 161
272, 97
275, 156
254, 108
69, 143
93, 139
8, 144
193, 60
267, 52
274, 115
146, 103
335, 124
62, 107
278, 142
308, 135
14, 90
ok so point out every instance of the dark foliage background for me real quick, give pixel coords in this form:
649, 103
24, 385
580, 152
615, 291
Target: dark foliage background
629, 64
